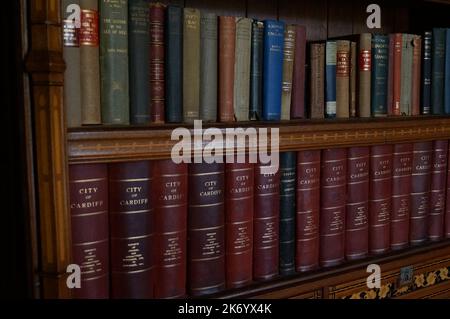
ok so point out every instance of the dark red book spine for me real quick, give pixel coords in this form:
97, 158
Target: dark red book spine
239, 203
132, 229
266, 223
332, 212
380, 198
437, 194
396, 75
308, 210
357, 214
420, 192
171, 202
447, 201
402, 161
206, 229
90, 234
298, 80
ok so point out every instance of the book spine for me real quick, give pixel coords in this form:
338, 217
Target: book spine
397, 75
288, 69
256, 69
402, 162
132, 229
241, 94
174, 66
308, 210
208, 67
332, 211
330, 79
380, 55
437, 70
114, 62
342, 78
380, 198
353, 69
171, 202
365, 67
317, 79
437, 190
447, 73
420, 192
288, 161
138, 46
390, 94
298, 81
426, 74
206, 229
406, 74
357, 211
227, 45
273, 69
447, 202
88, 188
239, 223
415, 85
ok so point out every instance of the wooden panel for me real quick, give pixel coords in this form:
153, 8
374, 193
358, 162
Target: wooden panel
220, 7
360, 16
266, 9
339, 18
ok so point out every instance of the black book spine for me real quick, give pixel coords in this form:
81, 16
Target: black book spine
437, 70
256, 70
426, 74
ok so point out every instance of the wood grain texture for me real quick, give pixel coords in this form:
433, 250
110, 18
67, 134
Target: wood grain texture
257, 9
340, 20
220, 7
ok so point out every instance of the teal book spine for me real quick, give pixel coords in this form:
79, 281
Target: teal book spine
380, 68
437, 70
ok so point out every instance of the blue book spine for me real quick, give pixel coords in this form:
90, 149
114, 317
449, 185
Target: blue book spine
447, 74
380, 70
330, 79
273, 69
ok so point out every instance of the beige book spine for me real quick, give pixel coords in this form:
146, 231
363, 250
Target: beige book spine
365, 66
342, 78
288, 69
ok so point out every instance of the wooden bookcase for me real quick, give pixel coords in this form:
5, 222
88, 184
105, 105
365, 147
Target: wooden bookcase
56, 147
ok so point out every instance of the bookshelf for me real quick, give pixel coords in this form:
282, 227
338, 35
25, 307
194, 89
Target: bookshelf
56, 146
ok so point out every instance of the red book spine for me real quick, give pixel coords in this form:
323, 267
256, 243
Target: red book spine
206, 229
227, 45
390, 84
308, 208
170, 184
90, 235
239, 224
132, 230
447, 203
332, 212
298, 81
266, 223
420, 192
397, 76
401, 192
380, 198
437, 193
357, 224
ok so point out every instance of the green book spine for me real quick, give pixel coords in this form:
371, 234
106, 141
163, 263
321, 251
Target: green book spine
437, 70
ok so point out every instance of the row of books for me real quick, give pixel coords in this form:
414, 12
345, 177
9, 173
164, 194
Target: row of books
155, 229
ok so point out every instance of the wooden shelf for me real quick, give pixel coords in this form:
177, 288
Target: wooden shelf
112, 144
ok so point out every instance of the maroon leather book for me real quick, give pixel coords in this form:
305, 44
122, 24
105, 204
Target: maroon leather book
420, 192
298, 80
132, 229
402, 161
239, 202
266, 223
437, 192
357, 214
308, 208
171, 203
88, 187
380, 198
206, 229
332, 212
447, 202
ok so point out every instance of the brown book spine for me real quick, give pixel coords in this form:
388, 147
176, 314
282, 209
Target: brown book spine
89, 211
353, 70
342, 78
437, 192
416, 76
397, 76
390, 83
171, 182
447, 201
156, 51
420, 192
298, 81
288, 69
308, 208
227, 43
317, 89
365, 67
402, 161
239, 223
332, 212
132, 228
380, 198
357, 214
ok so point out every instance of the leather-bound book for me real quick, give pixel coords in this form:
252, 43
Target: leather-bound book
397, 75
402, 162
298, 80
406, 74
171, 208
380, 59
241, 95
307, 208
342, 78
332, 211
426, 74
437, 70
437, 190
114, 62
256, 68
191, 65
208, 66
174, 65
266, 222
132, 229
88, 187
206, 229
390, 84
138, 62
447, 73
288, 69
330, 79
227, 45
365, 66
239, 201
415, 80
317, 79
380, 205
420, 192
352, 86
357, 212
